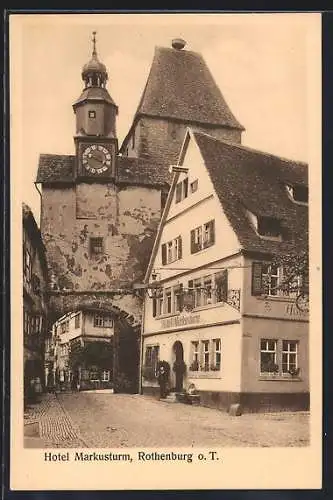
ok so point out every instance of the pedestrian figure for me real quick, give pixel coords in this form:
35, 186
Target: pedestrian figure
162, 380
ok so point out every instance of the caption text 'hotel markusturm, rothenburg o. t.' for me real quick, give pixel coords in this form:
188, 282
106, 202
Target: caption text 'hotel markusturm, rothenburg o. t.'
169, 250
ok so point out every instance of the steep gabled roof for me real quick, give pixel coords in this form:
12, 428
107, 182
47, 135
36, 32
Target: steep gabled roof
247, 179
53, 169
180, 86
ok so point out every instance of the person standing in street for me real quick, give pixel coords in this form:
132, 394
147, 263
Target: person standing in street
162, 380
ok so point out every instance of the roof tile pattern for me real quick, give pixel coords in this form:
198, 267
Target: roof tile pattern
244, 178
180, 86
55, 169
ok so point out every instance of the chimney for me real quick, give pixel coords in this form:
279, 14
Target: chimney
178, 43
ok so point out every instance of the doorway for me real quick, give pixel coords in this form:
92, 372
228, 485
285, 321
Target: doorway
179, 365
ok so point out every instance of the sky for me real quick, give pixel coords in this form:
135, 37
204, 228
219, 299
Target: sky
259, 61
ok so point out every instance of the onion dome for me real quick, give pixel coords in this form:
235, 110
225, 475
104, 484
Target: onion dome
94, 72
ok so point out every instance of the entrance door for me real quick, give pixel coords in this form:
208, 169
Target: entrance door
179, 364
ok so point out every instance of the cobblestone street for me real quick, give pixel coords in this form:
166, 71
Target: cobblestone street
107, 420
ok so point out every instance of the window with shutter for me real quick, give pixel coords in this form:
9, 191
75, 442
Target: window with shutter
164, 254
178, 192
185, 187
180, 250
193, 246
154, 308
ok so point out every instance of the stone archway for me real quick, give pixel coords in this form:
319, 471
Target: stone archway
127, 327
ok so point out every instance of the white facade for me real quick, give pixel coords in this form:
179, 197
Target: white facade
222, 338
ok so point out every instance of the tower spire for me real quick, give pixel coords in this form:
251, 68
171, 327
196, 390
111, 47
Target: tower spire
94, 52
94, 73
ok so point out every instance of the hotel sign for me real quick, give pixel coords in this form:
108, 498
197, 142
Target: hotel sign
177, 321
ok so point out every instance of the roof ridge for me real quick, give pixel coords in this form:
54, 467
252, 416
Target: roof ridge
57, 154
186, 51
251, 149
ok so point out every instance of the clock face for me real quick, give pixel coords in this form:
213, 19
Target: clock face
96, 159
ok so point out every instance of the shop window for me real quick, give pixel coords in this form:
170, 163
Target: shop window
268, 356
151, 360
217, 355
105, 376
289, 356
205, 355
94, 375
195, 360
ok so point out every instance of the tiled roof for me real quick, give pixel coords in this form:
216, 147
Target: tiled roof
244, 178
138, 170
180, 86
55, 168
95, 93
133, 171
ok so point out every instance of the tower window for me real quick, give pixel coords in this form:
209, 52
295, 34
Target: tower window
96, 246
92, 113
172, 130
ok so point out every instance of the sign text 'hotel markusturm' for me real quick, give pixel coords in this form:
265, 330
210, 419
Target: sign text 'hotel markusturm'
176, 321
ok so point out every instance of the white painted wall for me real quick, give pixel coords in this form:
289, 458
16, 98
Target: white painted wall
228, 379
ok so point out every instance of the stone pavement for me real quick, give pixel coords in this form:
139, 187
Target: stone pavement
56, 429
105, 420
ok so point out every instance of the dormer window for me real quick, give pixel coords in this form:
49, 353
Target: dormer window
298, 193
265, 227
269, 226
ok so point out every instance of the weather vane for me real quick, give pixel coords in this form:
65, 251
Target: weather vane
94, 42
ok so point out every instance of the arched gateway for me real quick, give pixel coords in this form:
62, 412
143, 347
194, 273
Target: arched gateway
94, 342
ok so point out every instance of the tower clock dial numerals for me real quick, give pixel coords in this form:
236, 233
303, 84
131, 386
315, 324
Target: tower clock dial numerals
96, 159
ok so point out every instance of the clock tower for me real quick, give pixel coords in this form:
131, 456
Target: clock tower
95, 139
